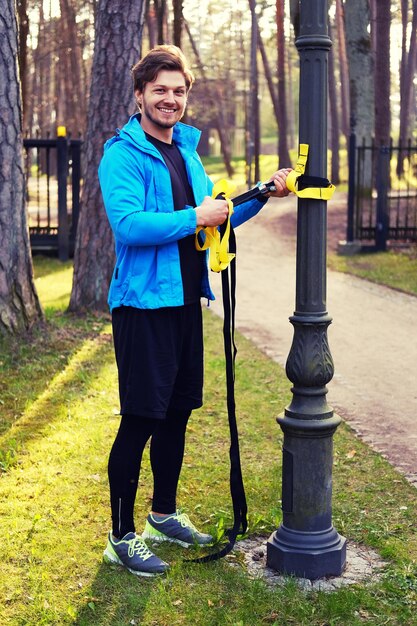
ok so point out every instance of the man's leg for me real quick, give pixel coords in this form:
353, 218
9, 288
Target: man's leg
165, 523
167, 453
124, 468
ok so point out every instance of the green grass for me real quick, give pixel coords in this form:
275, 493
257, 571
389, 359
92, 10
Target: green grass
59, 417
394, 269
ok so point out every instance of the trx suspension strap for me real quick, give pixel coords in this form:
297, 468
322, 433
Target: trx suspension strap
305, 186
222, 251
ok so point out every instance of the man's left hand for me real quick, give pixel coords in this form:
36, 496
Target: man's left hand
279, 178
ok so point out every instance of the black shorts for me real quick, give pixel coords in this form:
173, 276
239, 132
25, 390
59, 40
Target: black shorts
159, 355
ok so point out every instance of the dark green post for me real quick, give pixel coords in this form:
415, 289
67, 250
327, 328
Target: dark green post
306, 544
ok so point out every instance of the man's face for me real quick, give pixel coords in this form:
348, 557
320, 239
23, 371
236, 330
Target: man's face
162, 102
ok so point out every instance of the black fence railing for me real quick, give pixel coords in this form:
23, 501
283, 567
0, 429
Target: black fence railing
53, 175
382, 205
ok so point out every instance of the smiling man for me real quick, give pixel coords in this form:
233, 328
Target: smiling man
162, 103
156, 193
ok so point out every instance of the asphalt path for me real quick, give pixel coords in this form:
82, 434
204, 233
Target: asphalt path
373, 339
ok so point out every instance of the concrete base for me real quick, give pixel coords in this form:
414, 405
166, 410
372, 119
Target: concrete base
349, 248
310, 560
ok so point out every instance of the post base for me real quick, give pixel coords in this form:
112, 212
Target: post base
306, 555
349, 248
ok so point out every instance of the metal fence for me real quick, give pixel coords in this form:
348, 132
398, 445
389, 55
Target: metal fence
382, 205
53, 174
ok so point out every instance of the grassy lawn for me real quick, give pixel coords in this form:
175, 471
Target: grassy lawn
394, 269
58, 398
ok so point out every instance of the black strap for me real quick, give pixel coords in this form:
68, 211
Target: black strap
237, 489
304, 181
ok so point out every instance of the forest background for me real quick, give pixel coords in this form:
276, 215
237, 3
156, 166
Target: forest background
370, 40
74, 60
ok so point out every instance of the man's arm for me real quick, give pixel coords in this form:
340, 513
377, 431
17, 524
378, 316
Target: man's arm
124, 193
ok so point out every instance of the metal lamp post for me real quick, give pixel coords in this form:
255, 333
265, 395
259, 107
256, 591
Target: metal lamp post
306, 544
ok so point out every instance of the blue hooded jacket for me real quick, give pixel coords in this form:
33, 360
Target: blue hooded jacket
136, 188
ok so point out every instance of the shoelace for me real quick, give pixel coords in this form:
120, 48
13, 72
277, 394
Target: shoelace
139, 547
185, 521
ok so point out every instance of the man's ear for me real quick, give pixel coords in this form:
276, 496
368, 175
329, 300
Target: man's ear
138, 96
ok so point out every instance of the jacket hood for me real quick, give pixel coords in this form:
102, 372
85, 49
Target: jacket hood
183, 135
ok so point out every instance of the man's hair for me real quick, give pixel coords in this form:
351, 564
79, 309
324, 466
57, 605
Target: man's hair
165, 57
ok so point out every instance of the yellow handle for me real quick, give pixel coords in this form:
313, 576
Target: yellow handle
219, 257
316, 193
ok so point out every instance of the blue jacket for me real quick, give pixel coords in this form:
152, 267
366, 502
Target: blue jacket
137, 195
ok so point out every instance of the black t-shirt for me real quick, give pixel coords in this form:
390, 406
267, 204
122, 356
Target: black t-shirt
192, 261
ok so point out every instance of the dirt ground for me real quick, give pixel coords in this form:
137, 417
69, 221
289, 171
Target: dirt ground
372, 336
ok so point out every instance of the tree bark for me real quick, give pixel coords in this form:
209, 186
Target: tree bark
382, 73
268, 77
283, 153
23, 20
151, 23
254, 122
343, 69
177, 22
19, 303
161, 9
74, 111
361, 71
407, 72
361, 79
334, 117
119, 25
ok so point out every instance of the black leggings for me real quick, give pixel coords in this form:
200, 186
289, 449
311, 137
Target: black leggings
166, 454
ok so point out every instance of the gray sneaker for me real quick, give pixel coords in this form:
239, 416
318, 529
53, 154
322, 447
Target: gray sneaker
176, 528
132, 553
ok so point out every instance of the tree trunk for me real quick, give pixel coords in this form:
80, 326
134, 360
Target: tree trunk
177, 21
254, 122
19, 303
23, 19
361, 71
334, 117
151, 23
75, 105
119, 25
382, 73
268, 77
407, 72
283, 154
160, 10
361, 79
343, 69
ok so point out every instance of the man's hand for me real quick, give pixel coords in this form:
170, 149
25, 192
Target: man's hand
279, 179
211, 212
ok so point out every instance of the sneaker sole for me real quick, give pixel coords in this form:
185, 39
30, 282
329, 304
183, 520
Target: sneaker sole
161, 538
109, 559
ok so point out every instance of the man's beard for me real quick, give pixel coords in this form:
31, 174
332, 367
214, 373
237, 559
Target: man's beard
159, 122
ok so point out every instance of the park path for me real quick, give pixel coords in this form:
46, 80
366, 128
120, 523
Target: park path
372, 338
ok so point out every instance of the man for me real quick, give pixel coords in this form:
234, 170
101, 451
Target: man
156, 193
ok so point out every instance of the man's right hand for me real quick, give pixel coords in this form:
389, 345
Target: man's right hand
211, 212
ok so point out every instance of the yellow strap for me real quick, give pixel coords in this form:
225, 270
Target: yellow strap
316, 193
219, 257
